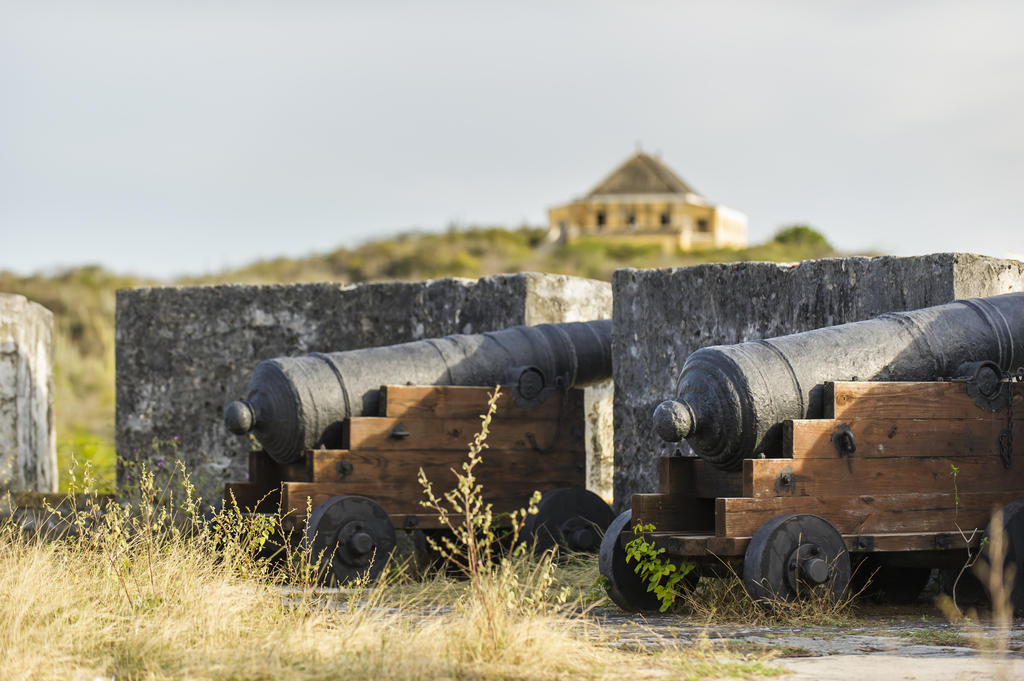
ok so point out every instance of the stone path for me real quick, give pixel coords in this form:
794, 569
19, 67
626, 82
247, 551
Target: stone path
880, 645
898, 643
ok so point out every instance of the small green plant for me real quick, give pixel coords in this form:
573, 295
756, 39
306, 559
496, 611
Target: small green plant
464, 513
968, 538
653, 569
503, 586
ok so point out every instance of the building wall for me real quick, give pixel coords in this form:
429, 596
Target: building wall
678, 223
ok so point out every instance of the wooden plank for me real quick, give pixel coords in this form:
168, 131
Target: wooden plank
429, 521
378, 432
910, 400
401, 467
876, 476
264, 470
390, 477
252, 496
467, 402
696, 545
865, 514
673, 512
705, 545
400, 521
397, 505
261, 493
691, 476
912, 541
813, 438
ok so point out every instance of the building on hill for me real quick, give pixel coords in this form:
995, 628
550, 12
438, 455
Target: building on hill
643, 200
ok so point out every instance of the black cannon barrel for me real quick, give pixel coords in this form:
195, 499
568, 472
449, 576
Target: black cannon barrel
731, 400
299, 403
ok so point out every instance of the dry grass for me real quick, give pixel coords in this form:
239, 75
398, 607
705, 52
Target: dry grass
724, 600
182, 612
151, 590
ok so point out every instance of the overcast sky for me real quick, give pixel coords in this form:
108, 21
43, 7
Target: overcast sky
184, 137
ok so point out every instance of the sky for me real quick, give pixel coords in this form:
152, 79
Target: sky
186, 137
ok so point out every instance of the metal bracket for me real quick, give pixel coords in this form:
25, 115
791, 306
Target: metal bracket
985, 384
530, 386
399, 432
845, 444
785, 481
992, 389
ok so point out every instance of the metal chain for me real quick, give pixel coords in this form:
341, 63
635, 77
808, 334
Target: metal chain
1006, 436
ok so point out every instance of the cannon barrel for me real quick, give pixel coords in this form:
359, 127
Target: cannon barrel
299, 403
731, 400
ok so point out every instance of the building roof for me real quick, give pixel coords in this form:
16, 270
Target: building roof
641, 174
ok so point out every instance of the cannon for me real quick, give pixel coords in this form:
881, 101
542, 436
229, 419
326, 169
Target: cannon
344, 435
299, 403
732, 399
881, 445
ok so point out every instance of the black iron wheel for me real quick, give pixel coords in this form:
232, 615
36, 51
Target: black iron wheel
621, 581
568, 519
1013, 562
351, 537
876, 579
795, 556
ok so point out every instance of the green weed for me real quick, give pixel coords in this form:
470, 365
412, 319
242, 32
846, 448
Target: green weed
663, 578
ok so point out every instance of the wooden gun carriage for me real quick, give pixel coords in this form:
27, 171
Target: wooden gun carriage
907, 474
344, 440
802, 464
350, 501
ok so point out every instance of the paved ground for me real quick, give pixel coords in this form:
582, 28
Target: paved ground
898, 666
906, 643
913, 642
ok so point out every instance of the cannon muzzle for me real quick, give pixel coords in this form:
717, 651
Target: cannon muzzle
731, 400
299, 403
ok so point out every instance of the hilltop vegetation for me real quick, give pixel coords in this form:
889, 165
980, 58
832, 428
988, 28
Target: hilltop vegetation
82, 299
479, 251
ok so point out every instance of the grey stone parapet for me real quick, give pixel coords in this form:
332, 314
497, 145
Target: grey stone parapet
183, 353
28, 443
663, 315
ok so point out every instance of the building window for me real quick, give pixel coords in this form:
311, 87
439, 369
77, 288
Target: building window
666, 218
600, 219
631, 221
703, 225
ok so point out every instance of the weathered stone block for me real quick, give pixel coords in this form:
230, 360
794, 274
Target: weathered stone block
184, 353
28, 443
661, 316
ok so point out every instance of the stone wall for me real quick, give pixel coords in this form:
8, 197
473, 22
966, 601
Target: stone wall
183, 353
28, 449
661, 316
